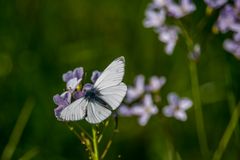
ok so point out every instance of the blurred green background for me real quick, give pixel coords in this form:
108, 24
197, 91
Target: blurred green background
41, 40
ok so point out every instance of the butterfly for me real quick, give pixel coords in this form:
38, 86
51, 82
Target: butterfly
105, 96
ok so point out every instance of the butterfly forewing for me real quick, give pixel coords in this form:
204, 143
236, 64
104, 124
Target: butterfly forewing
75, 111
109, 84
112, 75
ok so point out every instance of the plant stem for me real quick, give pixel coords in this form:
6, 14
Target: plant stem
95, 144
230, 96
198, 110
18, 129
106, 149
83, 139
108, 144
227, 135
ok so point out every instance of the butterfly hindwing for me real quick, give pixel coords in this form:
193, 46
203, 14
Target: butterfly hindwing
113, 95
96, 112
75, 111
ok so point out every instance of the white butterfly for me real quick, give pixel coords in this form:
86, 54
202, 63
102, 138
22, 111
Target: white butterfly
105, 96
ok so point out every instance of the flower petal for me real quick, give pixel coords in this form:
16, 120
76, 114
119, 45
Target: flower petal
147, 101
173, 98
138, 110
143, 119
67, 76
78, 73
156, 83
78, 94
124, 110
180, 115
185, 103
73, 83
168, 111
95, 75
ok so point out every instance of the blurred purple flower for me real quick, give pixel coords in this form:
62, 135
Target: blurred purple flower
125, 111
233, 45
237, 4
169, 36
229, 19
215, 3
155, 83
145, 110
95, 75
61, 101
180, 10
134, 92
154, 18
177, 107
156, 15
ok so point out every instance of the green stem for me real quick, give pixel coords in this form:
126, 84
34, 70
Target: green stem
106, 149
108, 144
196, 96
198, 110
95, 144
227, 135
83, 139
230, 96
18, 129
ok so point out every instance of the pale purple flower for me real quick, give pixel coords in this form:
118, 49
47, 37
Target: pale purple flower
237, 4
61, 101
233, 45
125, 111
177, 107
169, 36
145, 110
76, 73
187, 7
229, 19
155, 83
156, 15
73, 78
73, 83
180, 10
134, 92
95, 75
160, 3
154, 18
78, 94
215, 3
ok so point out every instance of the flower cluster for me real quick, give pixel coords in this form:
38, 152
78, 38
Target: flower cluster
142, 97
228, 20
177, 107
156, 15
74, 91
